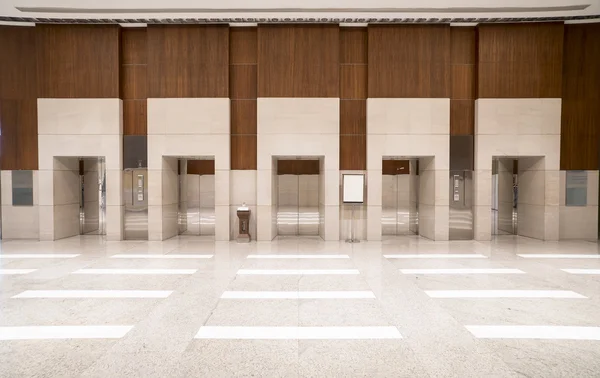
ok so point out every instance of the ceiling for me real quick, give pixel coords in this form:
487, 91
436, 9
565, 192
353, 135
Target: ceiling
357, 11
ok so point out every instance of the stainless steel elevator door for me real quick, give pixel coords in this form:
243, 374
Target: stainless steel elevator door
461, 205
298, 205
200, 204
135, 191
399, 205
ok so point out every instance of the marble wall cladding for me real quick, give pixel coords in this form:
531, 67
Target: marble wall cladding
579, 222
67, 130
194, 128
18, 222
518, 116
410, 127
188, 116
528, 129
298, 115
421, 116
80, 116
297, 127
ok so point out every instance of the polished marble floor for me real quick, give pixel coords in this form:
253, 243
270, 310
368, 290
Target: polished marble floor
299, 307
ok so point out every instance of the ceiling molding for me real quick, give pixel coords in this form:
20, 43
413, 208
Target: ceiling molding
499, 9
307, 20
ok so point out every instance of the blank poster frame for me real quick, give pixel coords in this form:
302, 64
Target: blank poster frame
353, 188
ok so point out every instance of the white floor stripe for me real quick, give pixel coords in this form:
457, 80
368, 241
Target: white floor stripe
298, 256
462, 271
582, 271
37, 256
558, 256
63, 332
16, 271
307, 272
535, 332
142, 256
503, 294
436, 256
298, 295
136, 271
298, 333
94, 294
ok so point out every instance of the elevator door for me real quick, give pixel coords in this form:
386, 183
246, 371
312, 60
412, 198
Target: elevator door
197, 198
399, 205
461, 205
298, 205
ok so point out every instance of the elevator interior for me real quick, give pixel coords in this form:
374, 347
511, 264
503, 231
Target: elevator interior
297, 192
92, 196
505, 196
196, 197
400, 197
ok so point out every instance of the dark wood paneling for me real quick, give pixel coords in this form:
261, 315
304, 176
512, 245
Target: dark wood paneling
78, 61
242, 81
464, 45
463, 73
133, 46
353, 45
243, 117
463, 81
353, 81
188, 61
243, 91
18, 98
298, 167
17, 62
201, 167
520, 60
298, 61
133, 82
243, 45
353, 152
409, 61
395, 167
462, 117
135, 117
243, 152
353, 117
19, 134
580, 138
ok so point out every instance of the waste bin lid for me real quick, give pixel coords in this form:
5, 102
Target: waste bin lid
243, 208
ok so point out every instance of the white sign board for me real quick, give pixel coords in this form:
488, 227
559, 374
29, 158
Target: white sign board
353, 186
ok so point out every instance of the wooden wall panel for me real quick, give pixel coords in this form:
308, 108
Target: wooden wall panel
395, 167
463, 74
520, 60
201, 167
298, 167
133, 86
580, 137
409, 61
353, 152
188, 61
298, 61
353, 98
243, 152
78, 61
18, 98
243, 91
